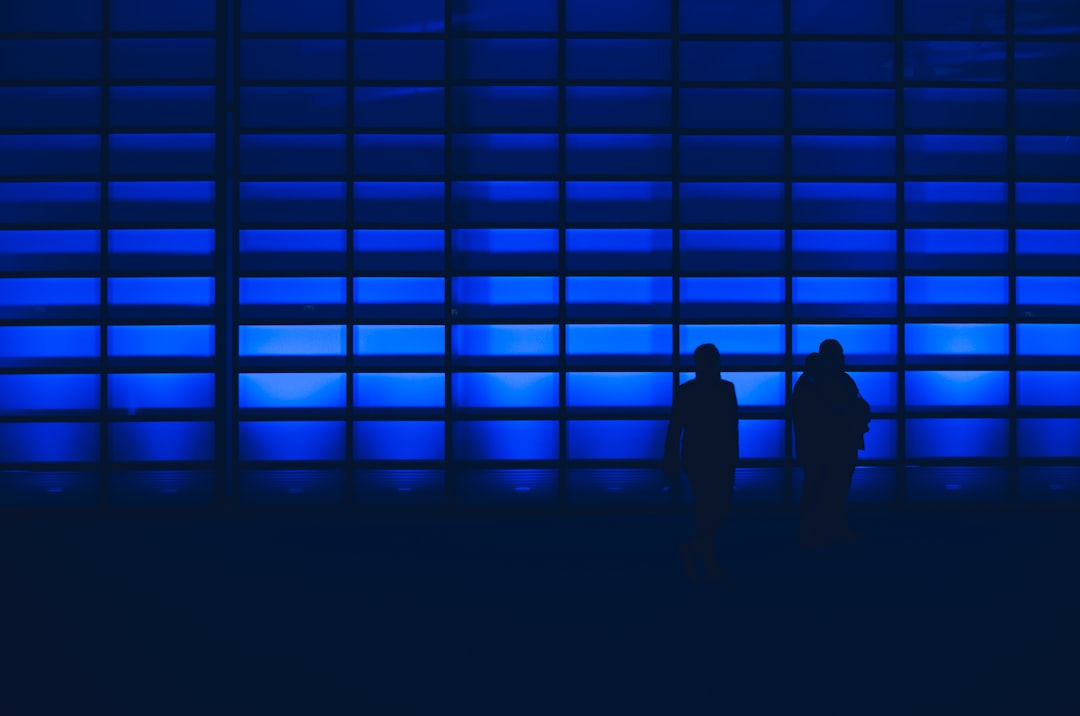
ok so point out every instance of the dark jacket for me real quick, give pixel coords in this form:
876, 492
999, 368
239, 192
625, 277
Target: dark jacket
830, 417
708, 413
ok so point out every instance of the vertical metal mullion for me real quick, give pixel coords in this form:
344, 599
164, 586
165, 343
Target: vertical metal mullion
789, 462
104, 458
676, 224
222, 266
901, 265
563, 469
450, 475
1010, 100
230, 251
350, 248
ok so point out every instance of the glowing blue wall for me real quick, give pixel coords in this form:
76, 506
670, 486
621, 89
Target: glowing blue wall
431, 251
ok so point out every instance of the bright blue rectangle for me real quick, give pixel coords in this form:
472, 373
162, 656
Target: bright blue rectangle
1048, 437
286, 241
292, 440
20, 394
133, 392
1047, 339
1057, 388
732, 249
731, 290
49, 442
154, 341
941, 291
618, 60
292, 390
506, 439
755, 388
162, 291
843, 249
386, 341
953, 388
50, 250
618, 340
618, 201
862, 344
834, 290
957, 437
385, 291
50, 202
21, 345
506, 248
644, 247
48, 292
157, 441
286, 291
939, 340
506, 390
736, 340
505, 201
399, 439
618, 390
537, 341
761, 439
639, 290
615, 439
399, 390
162, 242
947, 248
505, 290
161, 202
956, 201
292, 341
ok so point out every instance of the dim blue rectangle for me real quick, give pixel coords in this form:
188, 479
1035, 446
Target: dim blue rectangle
71, 155
157, 154
290, 487
399, 249
749, 156
618, 390
493, 59
49, 298
616, 344
842, 62
191, 291
956, 341
721, 108
292, 341
732, 249
292, 107
731, 16
399, 487
155, 341
279, 291
955, 388
40, 108
968, 62
506, 439
412, 60
957, 437
506, 390
506, 153
625, 249
144, 488
291, 249
956, 295
1047, 157
844, 249
292, 16
50, 250
1049, 483
26, 345
956, 201
396, 341
292, 154
958, 17
536, 342
618, 16
1053, 388
1048, 249
499, 16
504, 107
137, 16
1046, 62
292, 60
51, 488
398, 202
741, 297
161, 441
731, 203
506, 297
399, 107
50, 203
292, 202
505, 201
844, 203
843, 156
26, 394
399, 440
1048, 437
400, 154
761, 439
618, 60
615, 439
1047, 339
954, 108
622, 201
163, 107
503, 249
848, 297
618, 297
618, 154
405, 16
955, 154
630, 107
132, 392
933, 249
727, 61
508, 487
49, 442
955, 484
292, 440
291, 390
399, 390
162, 59
862, 344
52, 16
158, 202
843, 108
607, 486
842, 17
1048, 203
737, 343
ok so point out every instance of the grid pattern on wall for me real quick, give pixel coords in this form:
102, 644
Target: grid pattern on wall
460, 251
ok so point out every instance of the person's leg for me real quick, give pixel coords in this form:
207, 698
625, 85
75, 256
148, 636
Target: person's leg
714, 515
813, 504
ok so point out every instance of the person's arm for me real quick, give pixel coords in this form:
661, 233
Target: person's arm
671, 445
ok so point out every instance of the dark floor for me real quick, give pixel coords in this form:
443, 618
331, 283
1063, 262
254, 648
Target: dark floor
932, 613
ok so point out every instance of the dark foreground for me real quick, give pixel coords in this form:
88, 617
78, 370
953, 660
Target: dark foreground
932, 613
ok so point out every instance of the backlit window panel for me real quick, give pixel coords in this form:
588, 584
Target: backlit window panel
461, 252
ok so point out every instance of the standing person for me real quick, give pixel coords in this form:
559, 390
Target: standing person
705, 409
830, 419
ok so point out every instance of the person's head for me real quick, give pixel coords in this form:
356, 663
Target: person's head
832, 356
813, 364
707, 360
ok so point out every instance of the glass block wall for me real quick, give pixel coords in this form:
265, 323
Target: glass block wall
459, 252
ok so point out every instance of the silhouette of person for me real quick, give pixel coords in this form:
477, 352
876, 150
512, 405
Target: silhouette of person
830, 419
705, 414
